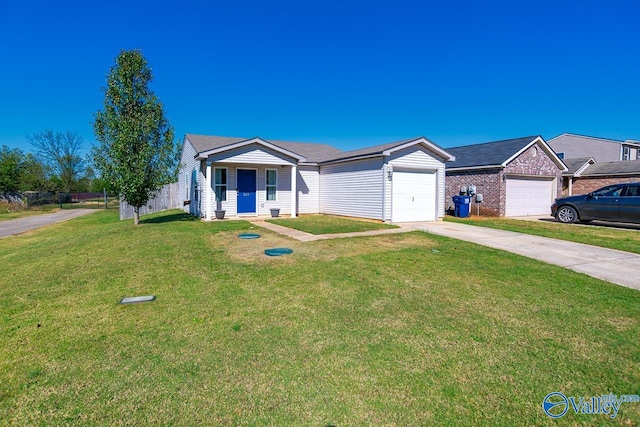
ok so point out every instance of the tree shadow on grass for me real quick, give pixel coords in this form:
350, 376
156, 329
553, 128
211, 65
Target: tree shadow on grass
174, 217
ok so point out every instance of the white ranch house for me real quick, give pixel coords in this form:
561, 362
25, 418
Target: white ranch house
398, 182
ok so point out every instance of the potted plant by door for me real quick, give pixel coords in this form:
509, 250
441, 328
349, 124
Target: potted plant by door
219, 212
275, 212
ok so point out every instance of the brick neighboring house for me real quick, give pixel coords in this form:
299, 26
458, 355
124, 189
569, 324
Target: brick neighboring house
516, 177
574, 168
584, 175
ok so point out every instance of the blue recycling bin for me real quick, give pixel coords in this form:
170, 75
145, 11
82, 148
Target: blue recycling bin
462, 204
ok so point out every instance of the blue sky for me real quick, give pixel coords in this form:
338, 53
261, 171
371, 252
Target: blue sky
346, 73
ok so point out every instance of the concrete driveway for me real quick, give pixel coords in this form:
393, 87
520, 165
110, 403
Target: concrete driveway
608, 264
20, 225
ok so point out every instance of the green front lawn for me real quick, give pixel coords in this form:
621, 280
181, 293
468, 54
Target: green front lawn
326, 224
402, 329
606, 237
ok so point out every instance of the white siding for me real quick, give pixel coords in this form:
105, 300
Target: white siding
352, 188
308, 185
252, 154
190, 177
417, 157
283, 190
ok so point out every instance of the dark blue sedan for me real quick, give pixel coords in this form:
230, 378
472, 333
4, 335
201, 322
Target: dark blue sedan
617, 202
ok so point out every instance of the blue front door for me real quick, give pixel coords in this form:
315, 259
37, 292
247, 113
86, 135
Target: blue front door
246, 191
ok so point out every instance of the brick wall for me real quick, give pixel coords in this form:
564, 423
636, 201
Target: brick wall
491, 182
487, 183
584, 185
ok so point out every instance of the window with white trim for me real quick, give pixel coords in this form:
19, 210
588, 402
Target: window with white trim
220, 184
272, 183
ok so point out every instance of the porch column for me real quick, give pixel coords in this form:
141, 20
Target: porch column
294, 190
207, 192
570, 186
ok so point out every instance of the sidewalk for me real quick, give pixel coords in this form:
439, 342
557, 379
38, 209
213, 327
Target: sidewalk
307, 237
20, 225
607, 264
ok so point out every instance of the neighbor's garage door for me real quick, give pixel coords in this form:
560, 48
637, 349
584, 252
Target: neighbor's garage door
414, 196
529, 196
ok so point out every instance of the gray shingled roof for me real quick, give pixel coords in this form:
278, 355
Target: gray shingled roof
372, 151
368, 151
205, 143
622, 167
487, 154
574, 164
312, 152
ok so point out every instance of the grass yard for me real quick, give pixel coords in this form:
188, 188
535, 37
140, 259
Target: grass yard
606, 237
326, 224
402, 329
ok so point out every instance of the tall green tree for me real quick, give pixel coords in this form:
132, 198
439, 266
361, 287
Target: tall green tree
37, 176
12, 168
61, 152
136, 154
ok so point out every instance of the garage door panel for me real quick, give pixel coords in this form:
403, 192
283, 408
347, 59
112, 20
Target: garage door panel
528, 196
414, 196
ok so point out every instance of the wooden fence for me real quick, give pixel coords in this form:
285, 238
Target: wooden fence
167, 198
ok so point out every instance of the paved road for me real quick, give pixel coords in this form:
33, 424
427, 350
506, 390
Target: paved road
20, 225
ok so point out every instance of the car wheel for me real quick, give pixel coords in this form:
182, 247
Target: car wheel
567, 214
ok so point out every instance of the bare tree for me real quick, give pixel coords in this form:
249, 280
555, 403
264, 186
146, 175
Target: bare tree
60, 151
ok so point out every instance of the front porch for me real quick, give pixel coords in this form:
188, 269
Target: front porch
249, 190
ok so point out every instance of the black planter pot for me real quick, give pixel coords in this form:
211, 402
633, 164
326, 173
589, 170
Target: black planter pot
219, 214
275, 212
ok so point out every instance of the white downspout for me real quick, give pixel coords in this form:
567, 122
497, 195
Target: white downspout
384, 192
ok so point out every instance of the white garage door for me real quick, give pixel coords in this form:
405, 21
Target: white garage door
529, 196
414, 196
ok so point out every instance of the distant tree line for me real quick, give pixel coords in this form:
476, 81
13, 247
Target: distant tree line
136, 153
56, 165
